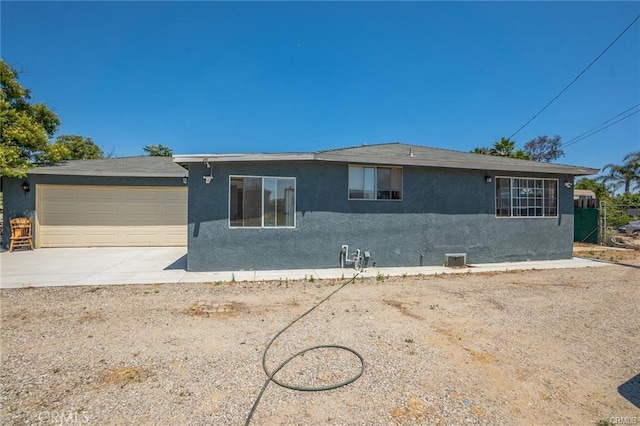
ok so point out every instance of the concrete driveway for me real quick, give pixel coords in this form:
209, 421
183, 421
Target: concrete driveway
162, 265
92, 266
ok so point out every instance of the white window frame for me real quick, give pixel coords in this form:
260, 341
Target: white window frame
375, 181
262, 226
511, 187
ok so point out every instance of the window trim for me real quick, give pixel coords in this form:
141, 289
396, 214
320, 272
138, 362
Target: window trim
511, 215
262, 178
375, 179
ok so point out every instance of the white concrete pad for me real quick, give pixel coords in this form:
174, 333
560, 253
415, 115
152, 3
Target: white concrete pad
155, 265
91, 266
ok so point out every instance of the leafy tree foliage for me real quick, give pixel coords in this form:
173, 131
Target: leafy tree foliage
544, 148
482, 150
599, 188
70, 147
25, 127
503, 148
618, 206
626, 175
158, 150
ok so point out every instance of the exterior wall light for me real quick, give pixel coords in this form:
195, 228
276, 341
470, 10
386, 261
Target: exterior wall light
185, 179
26, 187
567, 184
487, 178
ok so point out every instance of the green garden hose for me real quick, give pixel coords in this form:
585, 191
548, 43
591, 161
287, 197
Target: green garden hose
270, 376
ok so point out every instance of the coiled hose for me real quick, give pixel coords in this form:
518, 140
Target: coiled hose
270, 376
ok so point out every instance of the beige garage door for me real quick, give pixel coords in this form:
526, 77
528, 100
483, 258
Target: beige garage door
110, 216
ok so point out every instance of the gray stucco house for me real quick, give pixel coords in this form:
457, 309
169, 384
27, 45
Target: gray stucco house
131, 201
404, 205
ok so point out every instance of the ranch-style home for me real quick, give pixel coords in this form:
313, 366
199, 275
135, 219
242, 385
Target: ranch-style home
393, 204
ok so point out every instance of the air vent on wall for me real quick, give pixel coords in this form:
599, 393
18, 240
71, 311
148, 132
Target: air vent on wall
455, 260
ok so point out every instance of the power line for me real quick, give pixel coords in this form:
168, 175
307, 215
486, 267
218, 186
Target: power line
569, 142
598, 131
575, 79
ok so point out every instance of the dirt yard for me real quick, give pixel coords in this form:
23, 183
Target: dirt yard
536, 347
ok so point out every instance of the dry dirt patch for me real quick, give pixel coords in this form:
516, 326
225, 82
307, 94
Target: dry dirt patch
610, 254
123, 376
524, 347
220, 309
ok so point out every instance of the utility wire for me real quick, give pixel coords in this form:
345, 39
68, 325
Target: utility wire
577, 77
598, 131
570, 141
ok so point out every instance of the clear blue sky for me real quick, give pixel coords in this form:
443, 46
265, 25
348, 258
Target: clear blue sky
220, 77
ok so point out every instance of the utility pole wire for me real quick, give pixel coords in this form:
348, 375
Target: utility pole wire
598, 131
599, 125
575, 79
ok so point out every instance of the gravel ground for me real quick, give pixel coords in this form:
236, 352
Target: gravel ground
532, 347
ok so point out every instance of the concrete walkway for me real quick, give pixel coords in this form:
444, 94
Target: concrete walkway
159, 265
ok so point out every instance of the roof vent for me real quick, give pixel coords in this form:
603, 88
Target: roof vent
455, 260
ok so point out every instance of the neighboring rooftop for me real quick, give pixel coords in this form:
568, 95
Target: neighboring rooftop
586, 193
401, 154
142, 166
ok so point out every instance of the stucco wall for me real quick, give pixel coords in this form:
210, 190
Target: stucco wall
17, 203
443, 211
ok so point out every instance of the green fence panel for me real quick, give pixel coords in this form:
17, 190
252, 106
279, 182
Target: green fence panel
585, 225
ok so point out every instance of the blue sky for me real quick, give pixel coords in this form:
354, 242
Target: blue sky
220, 77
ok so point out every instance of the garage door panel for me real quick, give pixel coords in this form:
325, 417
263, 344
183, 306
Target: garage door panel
142, 196
173, 196
102, 237
60, 237
60, 193
142, 238
98, 195
173, 211
93, 216
142, 209
100, 209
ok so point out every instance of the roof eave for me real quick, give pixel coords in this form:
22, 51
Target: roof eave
217, 158
105, 173
459, 164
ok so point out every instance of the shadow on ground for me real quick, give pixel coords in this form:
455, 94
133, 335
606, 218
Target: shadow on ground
628, 265
180, 263
631, 390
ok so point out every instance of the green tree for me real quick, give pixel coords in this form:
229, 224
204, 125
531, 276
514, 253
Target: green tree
625, 175
70, 147
503, 148
599, 188
158, 150
544, 148
482, 150
25, 127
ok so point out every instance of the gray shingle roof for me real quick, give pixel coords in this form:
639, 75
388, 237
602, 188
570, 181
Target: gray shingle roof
401, 154
142, 166
416, 155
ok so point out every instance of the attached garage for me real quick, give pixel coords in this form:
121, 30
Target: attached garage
116, 202
107, 216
